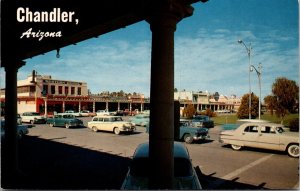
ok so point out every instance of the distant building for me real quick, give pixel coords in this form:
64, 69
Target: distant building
46, 95
203, 100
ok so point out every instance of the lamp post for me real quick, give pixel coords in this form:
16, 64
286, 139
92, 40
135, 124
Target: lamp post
249, 56
258, 72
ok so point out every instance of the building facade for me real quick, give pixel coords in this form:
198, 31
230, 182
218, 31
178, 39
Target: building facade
204, 100
46, 95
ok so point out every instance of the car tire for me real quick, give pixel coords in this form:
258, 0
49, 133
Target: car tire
20, 135
94, 129
116, 130
51, 124
67, 125
31, 122
236, 147
293, 150
188, 138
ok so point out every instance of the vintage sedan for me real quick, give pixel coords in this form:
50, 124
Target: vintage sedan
190, 134
110, 123
203, 121
137, 177
32, 117
262, 135
140, 119
21, 130
64, 120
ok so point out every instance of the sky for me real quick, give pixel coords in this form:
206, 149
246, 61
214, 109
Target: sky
208, 56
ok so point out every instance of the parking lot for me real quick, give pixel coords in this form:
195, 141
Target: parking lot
78, 158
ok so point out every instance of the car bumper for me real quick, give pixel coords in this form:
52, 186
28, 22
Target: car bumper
42, 121
201, 137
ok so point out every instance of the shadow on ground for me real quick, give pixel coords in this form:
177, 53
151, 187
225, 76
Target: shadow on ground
46, 164
209, 182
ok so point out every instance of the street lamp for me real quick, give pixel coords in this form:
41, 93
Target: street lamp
258, 72
249, 56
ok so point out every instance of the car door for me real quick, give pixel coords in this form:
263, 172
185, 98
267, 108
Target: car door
268, 138
250, 135
99, 123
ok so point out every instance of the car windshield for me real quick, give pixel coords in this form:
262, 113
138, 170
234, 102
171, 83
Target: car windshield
202, 117
116, 119
35, 114
68, 116
140, 167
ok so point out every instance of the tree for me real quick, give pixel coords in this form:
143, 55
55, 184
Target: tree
189, 111
286, 96
270, 101
243, 112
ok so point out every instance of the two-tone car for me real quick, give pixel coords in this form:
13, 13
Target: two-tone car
190, 134
33, 118
185, 176
110, 123
64, 120
263, 135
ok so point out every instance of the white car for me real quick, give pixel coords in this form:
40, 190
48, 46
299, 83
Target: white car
262, 135
110, 123
102, 113
72, 112
33, 117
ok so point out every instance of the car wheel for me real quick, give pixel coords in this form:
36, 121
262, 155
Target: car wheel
188, 138
293, 150
20, 135
236, 147
67, 125
116, 131
94, 129
31, 121
51, 124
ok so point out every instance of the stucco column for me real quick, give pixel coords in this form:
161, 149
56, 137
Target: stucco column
163, 21
63, 106
9, 150
94, 109
46, 109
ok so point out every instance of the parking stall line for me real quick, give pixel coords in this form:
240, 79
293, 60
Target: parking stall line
233, 174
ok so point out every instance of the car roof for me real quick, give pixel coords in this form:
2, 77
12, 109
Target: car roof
253, 120
263, 123
180, 151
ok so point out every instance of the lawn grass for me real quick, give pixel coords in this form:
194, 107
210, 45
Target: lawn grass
232, 118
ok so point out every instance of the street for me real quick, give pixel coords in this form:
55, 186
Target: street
218, 166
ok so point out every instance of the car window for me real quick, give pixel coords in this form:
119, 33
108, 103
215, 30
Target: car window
251, 129
106, 119
95, 119
279, 129
140, 167
117, 119
267, 129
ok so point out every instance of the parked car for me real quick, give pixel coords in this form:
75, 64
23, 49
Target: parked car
262, 135
72, 112
140, 119
203, 121
33, 117
102, 113
21, 130
231, 126
19, 119
137, 177
64, 120
110, 123
87, 113
189, 134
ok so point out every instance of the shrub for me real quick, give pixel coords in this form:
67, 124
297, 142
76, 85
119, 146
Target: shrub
294, 125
